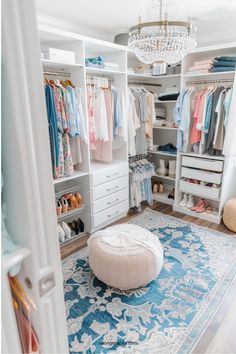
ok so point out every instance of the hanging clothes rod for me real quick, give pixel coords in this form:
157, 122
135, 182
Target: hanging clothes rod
138, 157
144, 84
101, 78
56, 73
208, 81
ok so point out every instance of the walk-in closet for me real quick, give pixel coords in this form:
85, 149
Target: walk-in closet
118, 177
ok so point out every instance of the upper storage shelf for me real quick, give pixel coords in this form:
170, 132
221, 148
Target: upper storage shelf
113, 56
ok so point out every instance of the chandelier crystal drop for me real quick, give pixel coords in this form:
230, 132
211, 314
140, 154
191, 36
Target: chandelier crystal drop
162, 36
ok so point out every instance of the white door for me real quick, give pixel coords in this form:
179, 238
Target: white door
26, 168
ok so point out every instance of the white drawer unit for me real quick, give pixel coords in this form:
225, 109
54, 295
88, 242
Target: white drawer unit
110, 188
199, 191
111, 213
204, 164
201, 175
109, 174
110, 200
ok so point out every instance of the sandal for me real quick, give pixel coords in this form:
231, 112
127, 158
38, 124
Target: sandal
201, 207
198, 205
209, 210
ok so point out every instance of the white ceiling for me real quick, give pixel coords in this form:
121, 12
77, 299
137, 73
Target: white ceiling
215, 19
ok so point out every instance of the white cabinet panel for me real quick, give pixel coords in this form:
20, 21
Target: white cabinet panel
109, 174
204, 164
110, 200
110, 188
199, 191
110, 214
201, 175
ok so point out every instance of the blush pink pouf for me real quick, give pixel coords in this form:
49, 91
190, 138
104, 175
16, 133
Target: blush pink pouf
125, 256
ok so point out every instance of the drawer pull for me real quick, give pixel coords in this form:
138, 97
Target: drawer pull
114, 201
111, 189
113, 214
113, 175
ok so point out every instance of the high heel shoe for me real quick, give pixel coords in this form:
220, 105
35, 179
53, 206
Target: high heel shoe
74, 227
72, 201
80, 225
78, 198
171, 195
59, 207
155, 188
64, 205
161, 187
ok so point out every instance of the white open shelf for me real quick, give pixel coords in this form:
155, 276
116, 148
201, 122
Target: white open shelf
166, 101
77, 174
73, 238
58, 64
151, 78
209, 75
70, 213
216, 218
98, 71
162, 153
163, 197
164, 177
165, 128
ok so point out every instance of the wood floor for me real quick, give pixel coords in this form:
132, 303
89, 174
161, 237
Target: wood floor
219, 336
76, 245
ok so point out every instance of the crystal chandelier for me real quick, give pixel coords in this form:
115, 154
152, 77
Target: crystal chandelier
162, 36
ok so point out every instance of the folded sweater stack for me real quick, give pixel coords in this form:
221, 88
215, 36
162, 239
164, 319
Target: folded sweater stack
169, 94
95, 62
201, 66
225, 63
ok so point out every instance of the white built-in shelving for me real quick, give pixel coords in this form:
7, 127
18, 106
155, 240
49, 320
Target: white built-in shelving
219, 197
84, 47
87, 47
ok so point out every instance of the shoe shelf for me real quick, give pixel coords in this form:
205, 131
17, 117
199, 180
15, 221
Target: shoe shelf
214, 217
163, 197
72, 190
73, 238
164, 177
162, 153
70, 213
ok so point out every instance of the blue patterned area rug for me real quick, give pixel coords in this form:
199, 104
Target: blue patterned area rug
166, 316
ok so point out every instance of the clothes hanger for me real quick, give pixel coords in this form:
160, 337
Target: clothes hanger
70, 83
63, 83
52, 82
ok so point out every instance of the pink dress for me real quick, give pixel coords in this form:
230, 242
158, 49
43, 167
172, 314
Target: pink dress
91, 122
195, 134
